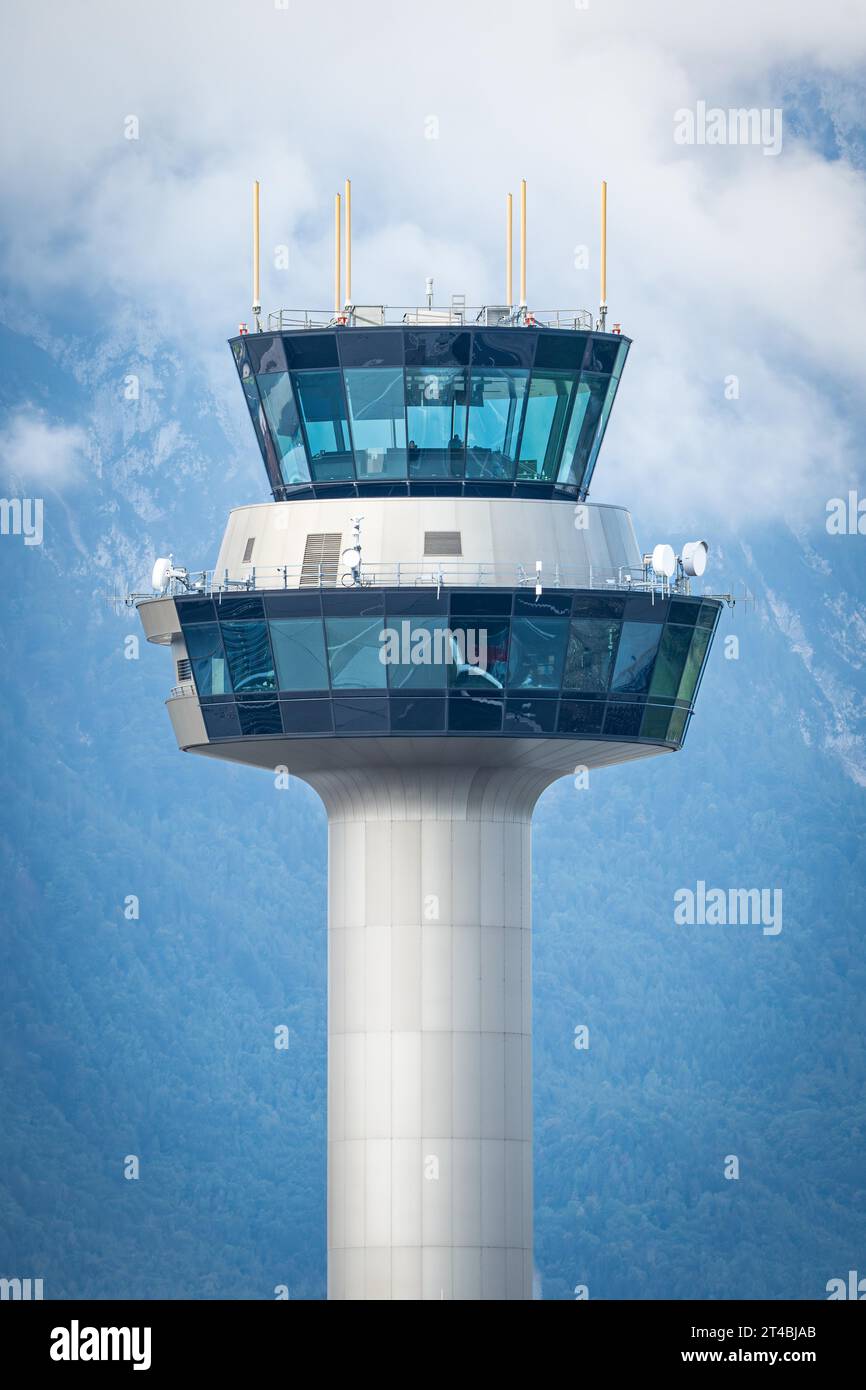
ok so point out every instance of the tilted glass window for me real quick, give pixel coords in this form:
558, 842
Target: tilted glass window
299, 652
694, 662
544, 423
282, 414
320, 396
423, 651
591, 648
585, 414
537, 653
495, 406
480, 649
205, 649
634, 659
436, 421
249, 656
378, 419
600, 431
671, 661
353, 653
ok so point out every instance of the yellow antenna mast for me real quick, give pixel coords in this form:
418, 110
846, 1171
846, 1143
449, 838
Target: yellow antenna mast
523, 243
257, 298
602, 311
337, 304
348, 241
509, 256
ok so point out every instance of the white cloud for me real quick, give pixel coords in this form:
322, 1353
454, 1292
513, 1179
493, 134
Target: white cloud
33, 451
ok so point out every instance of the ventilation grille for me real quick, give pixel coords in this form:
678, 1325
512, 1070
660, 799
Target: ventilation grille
184, 670
248, 550
322, 548
442, 543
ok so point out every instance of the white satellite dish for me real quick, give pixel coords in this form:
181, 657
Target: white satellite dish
161, 572
695, 558
664, 561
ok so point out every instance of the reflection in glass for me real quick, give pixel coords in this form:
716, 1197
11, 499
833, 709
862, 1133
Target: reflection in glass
320, 395
544, 424
671, 661
599, 434
591, 646
495, 404
635, 657
353, 652
424, 650
694, 662
285, 425
299, 652
377, 414
205, 650
585, 415
260, 717
436, 421
537, 653
248, 651
480, 648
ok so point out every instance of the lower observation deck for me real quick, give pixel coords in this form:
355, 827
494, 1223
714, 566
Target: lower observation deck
322, 663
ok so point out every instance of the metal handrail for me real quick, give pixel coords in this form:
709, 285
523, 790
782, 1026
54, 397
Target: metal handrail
382, 315
433, 573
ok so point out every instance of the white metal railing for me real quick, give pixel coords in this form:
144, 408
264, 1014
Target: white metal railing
428, 573
380, 315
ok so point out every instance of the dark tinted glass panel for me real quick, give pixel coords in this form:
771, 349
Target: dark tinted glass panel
417, 716
354, 648
708, 614
299, 653
530, 717
597, 606
602, 354
480, 601
403, 603
548, 605
635, 656
249, 656
585, 415
495, 408
592, 646
479, 713
436, 421
293, 604
437, 347
564, 350
645, 608
502, 348
537, 653
205, 649
381, 347
378, 420
671, 661
544, 424
677, 726
260, 717
655, 722
285, 425
306, 716
599, 434
684, 611
310, 349
195, 610
258, 418
361, 716
353, 603
621, 355
419, 651
266, 353
480, 652
694, 662
237, 606
623, 721
221, 721
580, 717
320, 395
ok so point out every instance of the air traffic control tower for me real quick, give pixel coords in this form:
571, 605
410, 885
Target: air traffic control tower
430, 624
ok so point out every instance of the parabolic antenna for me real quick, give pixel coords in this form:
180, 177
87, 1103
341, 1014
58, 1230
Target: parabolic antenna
695, 558
161, 571
664, 561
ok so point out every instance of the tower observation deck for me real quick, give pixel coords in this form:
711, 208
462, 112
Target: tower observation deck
430, 624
